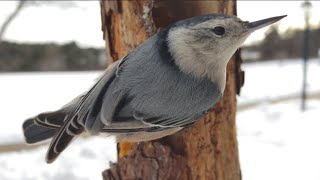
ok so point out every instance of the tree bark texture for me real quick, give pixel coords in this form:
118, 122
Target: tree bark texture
208, 149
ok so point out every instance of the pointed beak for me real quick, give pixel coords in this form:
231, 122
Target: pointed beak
253, 26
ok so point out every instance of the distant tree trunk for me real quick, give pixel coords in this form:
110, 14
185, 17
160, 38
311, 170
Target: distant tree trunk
208, 150
10, 18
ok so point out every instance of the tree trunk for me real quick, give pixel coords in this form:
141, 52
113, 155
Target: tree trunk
208, 150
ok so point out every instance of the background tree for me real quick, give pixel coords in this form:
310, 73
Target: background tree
10, 18
21, 4
208, 150
286, 45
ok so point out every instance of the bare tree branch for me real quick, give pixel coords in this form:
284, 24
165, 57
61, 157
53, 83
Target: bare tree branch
4, 27
60, 4
22, 3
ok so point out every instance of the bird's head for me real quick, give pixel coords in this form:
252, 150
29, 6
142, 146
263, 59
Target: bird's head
207, 42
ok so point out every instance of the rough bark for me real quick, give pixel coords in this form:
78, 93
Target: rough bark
208, 150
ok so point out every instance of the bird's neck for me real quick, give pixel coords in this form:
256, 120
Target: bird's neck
215, 72
197, 63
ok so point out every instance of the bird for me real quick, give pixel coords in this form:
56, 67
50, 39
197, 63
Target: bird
162, 86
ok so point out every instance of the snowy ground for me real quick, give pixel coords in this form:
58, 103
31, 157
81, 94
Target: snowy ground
276, 141
279, 142
26, 94
265, 81
85, 159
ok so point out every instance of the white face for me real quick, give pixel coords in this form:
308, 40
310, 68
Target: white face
204, 49
218, 36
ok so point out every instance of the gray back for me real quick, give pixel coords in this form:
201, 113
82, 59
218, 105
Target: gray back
157, 92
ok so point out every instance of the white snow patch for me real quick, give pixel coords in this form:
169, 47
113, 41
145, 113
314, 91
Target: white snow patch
269, 80
24, 95
72, 163
280, 142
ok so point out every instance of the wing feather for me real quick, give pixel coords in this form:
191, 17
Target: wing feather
149, 87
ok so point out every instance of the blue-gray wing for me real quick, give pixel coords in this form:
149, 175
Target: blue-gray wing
149, 90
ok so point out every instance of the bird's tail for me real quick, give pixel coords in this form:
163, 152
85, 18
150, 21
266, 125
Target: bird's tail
58, 125
46, 125
34, 133
63, 138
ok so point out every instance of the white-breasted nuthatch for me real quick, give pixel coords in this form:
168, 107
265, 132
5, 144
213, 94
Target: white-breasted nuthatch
166, 83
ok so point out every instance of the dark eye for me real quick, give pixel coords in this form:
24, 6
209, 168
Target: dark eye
219, 30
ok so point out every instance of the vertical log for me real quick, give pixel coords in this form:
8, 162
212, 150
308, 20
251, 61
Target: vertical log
208, 150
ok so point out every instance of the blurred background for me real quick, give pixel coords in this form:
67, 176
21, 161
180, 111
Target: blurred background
51, 51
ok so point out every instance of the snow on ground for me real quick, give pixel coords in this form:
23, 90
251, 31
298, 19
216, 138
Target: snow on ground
279, 142
272, 79
24, 95
84, 159
276, 141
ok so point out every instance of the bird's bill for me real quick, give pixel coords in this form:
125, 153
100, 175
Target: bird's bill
253, 26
